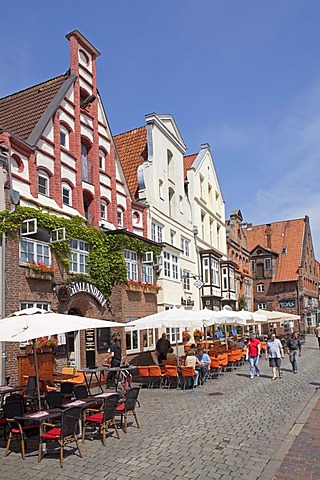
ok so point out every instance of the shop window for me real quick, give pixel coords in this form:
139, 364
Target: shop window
148, 338
173, 335
103, 339
132, 341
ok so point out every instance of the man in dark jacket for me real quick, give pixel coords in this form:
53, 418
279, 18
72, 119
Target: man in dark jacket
162, 347
294, 350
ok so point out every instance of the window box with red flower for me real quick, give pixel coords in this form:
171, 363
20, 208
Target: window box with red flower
40, 271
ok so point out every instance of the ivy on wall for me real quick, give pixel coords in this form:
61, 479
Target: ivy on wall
106, 261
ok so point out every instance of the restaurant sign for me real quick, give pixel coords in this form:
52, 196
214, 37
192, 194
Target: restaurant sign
86, 287
287, 303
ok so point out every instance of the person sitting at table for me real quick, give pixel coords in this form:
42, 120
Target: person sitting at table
192, 361
218, 334
171, 355
115, 352
205, 361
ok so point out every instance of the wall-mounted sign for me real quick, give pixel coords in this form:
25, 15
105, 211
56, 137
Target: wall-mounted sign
188, 302
63, 295
287, 303
89, 288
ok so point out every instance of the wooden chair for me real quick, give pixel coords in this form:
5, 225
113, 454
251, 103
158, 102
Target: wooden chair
63, 434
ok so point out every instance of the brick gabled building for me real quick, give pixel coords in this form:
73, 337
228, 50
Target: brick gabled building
62, 161
285, 269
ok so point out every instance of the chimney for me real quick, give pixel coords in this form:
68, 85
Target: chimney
268, 235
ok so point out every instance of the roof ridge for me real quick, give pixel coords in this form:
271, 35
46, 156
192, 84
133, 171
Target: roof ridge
279, 221
128, 131
190, 155
67, 73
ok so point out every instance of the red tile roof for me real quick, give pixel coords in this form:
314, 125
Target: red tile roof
21, 111
289, 234
132, 149
188, 162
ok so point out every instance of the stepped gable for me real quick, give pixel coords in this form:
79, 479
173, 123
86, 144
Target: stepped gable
188, 162
276, 236
132, 150
21, 111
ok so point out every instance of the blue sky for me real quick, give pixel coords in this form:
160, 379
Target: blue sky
241, 75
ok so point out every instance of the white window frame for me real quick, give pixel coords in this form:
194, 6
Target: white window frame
84, 162
102, 160
232, 283
150, 345
267, 263
131, 260
174, 335
58, 235
65, 187
131, 333
170, 265
119, 217
64, 131
185, 246
215, 272
27, 304
186, 280
147, 273
260, 287
262, 306
206, 270
29, 227
79, 256
44, 176
33, 255
104, 210
224, 279
156, 232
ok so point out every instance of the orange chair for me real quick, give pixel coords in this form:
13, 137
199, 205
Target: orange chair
186, 373
79, 378
143, 374
156, 375
170, 362
67, 370
171, 375
223, 361
215, 368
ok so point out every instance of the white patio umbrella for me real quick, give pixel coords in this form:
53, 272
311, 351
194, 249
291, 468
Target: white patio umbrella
32, 323
274, 316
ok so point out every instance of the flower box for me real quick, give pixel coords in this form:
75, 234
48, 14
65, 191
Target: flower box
38, 275
133, 287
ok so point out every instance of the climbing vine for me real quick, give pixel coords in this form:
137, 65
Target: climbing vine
106, 261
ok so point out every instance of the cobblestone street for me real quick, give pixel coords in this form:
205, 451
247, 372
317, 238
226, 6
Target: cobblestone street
243, 433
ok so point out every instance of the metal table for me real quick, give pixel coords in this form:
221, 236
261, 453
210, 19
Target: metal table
93, 373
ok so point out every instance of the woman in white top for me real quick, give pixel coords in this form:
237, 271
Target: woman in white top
192, 361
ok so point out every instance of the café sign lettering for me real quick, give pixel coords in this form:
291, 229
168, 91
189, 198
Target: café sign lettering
287, 304
89, 288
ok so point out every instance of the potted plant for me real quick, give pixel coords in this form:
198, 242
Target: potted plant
186, 336
46, 344
197, 335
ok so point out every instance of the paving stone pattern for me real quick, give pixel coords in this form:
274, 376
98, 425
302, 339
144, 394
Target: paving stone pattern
242, 434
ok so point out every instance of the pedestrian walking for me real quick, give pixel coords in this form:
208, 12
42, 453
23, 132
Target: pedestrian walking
294, 350
253, 353
274, 352
317, 331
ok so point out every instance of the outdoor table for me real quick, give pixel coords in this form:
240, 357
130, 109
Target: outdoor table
93, 374
5, 389
62, 377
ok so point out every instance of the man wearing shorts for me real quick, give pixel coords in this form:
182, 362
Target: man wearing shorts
274, 352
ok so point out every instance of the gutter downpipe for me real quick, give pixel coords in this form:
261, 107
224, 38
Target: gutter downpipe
14, 197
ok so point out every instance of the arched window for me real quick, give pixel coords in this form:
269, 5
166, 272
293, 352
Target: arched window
104, 210
120, 217
43, 183
66, 194
102, 160
86, 171
64, 137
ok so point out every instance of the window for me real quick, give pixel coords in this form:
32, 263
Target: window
64, 137
66, 194
34, 251
43, 183
203, 219
206, 272
260, 287
173, 335
231, 280
215, 272
147, 273
136, 218
131, 259
284, 250
185, 246
186, 280
170, 264
262, 305
218, 237
201, 186
103, 339
253, 265
102, 160
29, 227
224, 275
172, 236
79, 256
132, 341
104, 210
43, 305
211, 232
120, 217
156, 232
148, 338
267, 263
84, 162
58, 235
